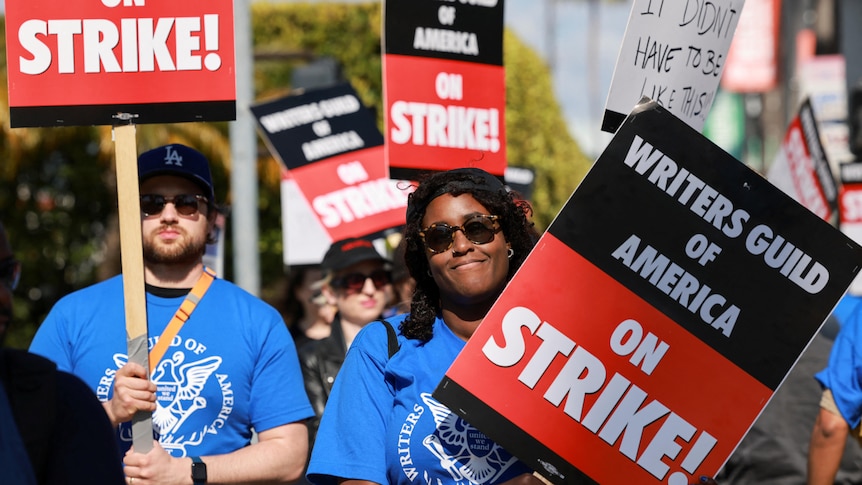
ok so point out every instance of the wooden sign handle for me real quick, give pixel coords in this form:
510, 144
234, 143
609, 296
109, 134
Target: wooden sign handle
132, 256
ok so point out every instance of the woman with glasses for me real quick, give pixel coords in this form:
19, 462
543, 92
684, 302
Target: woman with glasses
466, 236
358, 282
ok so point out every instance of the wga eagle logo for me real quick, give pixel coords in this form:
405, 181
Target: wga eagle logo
465, 452
179, 387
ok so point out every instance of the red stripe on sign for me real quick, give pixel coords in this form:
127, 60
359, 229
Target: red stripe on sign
602, 378
444, 114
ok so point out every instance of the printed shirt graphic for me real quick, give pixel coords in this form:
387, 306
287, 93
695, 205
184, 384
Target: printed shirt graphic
386, 404
231, 367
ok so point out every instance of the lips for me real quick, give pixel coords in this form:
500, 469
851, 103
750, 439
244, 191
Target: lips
466, 265
369, 303
169, 234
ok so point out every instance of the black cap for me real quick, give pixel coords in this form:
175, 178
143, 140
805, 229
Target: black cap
178, 160
347, 252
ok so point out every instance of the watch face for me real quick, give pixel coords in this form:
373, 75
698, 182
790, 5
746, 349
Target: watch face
199, 472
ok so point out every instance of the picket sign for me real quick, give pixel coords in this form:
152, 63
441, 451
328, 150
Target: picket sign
132, 258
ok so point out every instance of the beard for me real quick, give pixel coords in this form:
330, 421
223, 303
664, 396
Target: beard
186, 250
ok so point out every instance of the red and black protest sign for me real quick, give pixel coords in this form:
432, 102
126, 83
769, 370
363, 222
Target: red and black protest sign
444, 86
81, 62
801, 168
331, 145
656, 317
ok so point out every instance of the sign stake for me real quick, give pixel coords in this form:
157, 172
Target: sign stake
131, 247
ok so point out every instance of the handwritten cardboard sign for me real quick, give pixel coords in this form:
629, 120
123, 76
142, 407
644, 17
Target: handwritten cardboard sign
655, 318
330, 143
673, 52
444, 86
801, 169
80, 62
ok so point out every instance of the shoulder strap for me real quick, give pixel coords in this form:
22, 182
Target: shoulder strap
183, 313
392, 338
32, 390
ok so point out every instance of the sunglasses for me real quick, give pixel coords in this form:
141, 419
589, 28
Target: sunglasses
185, 204
10, 273
480, 229
354, 282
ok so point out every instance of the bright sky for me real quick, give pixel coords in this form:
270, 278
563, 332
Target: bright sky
571, 71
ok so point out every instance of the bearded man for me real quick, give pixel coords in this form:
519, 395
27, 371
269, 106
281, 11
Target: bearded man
228, 371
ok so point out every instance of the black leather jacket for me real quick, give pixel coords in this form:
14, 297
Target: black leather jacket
320, 361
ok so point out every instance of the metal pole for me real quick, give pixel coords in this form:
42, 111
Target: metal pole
244, 179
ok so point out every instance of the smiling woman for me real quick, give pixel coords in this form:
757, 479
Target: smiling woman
465, 237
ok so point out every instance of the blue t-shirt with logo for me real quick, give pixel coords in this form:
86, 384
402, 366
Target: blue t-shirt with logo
382, 424
232, 366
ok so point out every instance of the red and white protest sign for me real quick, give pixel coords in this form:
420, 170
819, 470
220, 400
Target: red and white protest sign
752, 61
444, 86
655, 318
80, 62
850, 209
331, 145
801, 168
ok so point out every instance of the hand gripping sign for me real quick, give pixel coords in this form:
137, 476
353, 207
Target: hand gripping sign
655, 319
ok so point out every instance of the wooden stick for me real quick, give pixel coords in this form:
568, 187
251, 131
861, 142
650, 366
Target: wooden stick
132, 251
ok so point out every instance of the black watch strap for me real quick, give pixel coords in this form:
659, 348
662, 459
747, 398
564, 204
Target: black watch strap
199, 470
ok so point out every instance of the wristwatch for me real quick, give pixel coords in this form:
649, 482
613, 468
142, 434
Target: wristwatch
199, 470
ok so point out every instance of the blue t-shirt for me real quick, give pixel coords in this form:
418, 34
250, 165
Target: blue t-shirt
843, 373
232, 366
382, 424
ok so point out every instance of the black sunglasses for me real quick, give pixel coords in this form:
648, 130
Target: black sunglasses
10, 273
355, 281
185, 204
479, 229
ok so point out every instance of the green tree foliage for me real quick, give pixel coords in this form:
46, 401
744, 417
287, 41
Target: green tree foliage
287, 35
58, 187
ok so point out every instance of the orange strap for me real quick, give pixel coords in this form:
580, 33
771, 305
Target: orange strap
183, 313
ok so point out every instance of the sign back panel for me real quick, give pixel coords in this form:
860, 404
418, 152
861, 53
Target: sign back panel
656, 317
80, 63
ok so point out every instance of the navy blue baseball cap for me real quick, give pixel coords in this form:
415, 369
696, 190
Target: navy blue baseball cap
178, 160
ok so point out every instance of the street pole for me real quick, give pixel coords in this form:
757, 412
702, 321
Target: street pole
244, 214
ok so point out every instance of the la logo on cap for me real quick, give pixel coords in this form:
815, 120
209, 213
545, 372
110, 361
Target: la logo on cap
172, 157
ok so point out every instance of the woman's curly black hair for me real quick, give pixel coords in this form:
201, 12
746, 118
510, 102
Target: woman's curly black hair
514, 220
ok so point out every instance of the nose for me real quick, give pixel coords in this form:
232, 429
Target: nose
169, 212
368, 286
460, 243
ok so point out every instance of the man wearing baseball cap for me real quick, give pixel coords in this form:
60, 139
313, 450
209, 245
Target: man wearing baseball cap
221, 367
358, 281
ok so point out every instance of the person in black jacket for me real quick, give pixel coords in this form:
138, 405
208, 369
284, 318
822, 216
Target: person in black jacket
53, 429
358, 281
